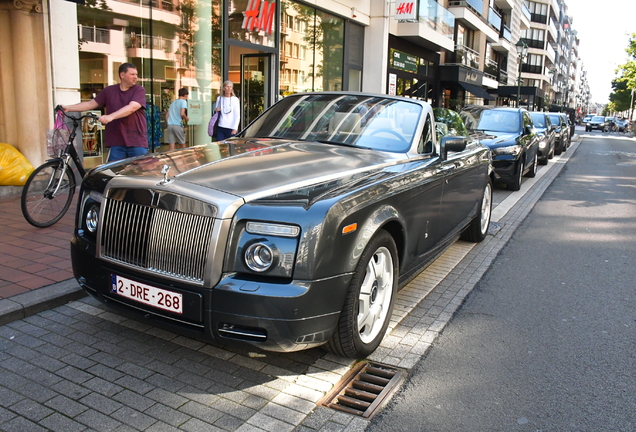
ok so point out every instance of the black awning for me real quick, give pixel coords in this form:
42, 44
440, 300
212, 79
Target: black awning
476, 91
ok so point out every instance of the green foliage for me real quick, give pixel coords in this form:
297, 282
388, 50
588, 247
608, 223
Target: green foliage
625, 82
97, 4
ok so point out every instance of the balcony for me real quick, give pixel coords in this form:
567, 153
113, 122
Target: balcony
505, 33
494, 19
469, 12
466, 56
534, 43
525, 17
502, 77
158, 47
491, 68
434, 29
94, 34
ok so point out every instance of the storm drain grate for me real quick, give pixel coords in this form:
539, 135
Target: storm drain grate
364, 388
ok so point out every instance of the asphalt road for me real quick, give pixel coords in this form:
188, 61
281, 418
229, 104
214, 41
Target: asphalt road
547, 340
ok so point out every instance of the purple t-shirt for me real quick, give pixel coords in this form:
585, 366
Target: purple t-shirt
130, 131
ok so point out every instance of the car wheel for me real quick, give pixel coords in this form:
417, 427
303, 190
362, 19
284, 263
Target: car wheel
533, 168
369, 303
478, 228
515, 184
543, 161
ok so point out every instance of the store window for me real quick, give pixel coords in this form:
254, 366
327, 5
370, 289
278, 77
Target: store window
174, 44
317, 39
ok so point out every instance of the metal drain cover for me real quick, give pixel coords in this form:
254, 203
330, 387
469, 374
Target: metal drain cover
364, 389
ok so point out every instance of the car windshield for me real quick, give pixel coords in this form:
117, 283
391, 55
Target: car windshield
555, 119
598, 119
371, 122
499, 121
538, 119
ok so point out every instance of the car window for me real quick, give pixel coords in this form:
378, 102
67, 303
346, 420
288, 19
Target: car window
448, 122
358, 120
598, 119
499, 121
527, 120
555, 119
539, 119
426, 142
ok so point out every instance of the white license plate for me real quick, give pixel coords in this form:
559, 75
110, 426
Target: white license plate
147, 294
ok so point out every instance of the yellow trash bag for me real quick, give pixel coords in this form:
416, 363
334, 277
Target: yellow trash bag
15, 169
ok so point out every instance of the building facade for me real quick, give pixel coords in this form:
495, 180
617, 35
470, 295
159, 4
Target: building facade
447, 52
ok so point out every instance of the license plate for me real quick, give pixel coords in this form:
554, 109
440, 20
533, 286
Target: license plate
147, 294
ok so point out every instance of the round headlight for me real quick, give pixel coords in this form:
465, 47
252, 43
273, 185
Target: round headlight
92, 219
259, 257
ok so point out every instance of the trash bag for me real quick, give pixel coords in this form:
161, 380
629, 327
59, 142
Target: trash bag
15, 169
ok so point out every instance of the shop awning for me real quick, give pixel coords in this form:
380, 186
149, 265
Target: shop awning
476, 91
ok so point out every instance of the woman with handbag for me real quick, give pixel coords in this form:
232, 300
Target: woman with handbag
228, 108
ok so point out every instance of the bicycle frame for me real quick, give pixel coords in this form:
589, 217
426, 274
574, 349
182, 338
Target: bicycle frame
69, 153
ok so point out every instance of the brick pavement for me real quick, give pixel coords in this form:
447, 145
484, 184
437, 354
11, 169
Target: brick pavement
81, 367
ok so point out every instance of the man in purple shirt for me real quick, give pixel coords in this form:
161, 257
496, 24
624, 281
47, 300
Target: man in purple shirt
126, 134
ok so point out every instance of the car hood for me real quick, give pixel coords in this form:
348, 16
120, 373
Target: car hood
255, 167
498, 139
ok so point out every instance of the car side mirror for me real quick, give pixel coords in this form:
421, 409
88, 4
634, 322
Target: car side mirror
452, 143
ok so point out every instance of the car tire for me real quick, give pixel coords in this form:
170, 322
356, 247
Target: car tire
368, 306
533, 168
515, 184
478, 228
543, 161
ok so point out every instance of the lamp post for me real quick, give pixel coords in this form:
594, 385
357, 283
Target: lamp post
522, 51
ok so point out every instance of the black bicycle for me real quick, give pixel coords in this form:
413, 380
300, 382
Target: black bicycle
48, 192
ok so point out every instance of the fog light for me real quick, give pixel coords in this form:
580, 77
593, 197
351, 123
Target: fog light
259, 257
92, 219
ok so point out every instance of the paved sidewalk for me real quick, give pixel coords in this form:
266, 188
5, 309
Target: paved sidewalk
35, 264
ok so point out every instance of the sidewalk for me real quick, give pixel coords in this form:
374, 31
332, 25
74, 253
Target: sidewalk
36, 270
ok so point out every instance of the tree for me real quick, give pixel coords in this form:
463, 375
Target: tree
626, 80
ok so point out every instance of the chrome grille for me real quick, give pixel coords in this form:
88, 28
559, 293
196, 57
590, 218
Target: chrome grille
162, 241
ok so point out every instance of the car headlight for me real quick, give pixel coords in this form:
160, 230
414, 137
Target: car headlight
88, 221
513, 150
92, 219
266, 248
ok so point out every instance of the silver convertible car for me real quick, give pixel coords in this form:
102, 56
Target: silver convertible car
296, 233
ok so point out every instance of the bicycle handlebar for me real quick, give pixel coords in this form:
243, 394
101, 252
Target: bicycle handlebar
89, 115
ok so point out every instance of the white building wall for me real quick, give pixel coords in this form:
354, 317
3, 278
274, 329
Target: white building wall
64, 52
376, 48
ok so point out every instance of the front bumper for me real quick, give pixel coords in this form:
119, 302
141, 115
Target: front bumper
505, 167
275, 315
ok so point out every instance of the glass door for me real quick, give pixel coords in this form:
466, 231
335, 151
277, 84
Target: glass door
256, 85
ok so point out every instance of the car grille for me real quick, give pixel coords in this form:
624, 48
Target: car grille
163, 241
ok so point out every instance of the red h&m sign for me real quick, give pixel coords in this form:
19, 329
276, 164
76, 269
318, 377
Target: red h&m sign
259, 16
406, 10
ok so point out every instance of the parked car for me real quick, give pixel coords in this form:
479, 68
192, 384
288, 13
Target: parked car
587, 118
547, 133
597, 122
293, 234
512, 138
562, 132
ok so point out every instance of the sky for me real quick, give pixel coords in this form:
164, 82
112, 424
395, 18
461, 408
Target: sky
603, 28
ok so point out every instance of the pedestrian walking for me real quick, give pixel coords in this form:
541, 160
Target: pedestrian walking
177, 118
228, 108
126, 133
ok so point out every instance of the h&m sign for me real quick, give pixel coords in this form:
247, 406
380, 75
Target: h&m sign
260, 16
406, 10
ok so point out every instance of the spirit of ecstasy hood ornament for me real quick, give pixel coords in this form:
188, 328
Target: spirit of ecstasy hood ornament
164, 171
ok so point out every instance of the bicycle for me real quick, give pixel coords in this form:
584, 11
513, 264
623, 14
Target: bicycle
49, 190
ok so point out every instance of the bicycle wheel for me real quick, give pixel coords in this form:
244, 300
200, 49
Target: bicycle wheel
48, 193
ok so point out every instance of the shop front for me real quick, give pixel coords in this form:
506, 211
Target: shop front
412, 71
268, 49
462, 86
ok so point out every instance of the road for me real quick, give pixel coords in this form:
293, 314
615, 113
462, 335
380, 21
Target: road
547, 339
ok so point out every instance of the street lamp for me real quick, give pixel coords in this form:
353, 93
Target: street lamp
522, 51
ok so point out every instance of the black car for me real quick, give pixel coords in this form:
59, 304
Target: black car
293, 234
562, 132
597, 122
548, 135
511, 137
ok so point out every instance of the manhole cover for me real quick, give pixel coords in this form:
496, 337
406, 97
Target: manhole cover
364, 389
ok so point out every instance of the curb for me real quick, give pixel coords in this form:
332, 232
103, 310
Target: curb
20, 306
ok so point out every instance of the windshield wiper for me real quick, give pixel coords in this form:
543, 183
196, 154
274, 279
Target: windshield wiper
338, 143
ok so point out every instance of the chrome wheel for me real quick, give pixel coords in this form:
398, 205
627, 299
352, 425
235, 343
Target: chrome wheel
376, 292
486, 206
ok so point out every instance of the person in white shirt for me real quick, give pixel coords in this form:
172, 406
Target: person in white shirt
228, 107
